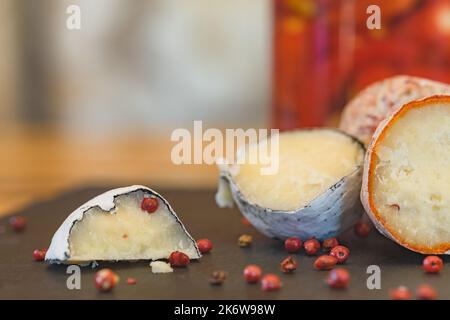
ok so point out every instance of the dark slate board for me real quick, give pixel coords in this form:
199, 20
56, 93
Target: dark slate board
22, 278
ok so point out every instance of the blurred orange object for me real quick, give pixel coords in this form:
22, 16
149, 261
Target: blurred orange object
324, 53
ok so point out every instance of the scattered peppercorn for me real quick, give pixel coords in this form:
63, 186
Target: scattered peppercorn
329, 244
245, 241
426, 292
245, 222
204, 245
252, 273
432, 264
131, 281
39, 255
341, 253
362, 229
293, 244
178, 259
325, 262
18, 223
288, 265
338, 278
218, 277
105, 279
400, 293
149, 204
270, 282
312, 247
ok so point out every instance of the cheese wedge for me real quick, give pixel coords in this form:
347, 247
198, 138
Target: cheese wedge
367, 109
114, 227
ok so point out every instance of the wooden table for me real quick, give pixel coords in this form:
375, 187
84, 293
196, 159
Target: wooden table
39, 163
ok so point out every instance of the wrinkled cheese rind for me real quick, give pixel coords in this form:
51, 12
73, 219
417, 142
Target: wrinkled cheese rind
364, 112
327, 216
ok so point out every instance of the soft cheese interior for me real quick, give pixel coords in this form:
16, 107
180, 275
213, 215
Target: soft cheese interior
129, 233
412, 176
310, 162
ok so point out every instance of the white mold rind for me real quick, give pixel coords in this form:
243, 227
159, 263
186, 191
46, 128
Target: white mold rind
326, 216
59, 251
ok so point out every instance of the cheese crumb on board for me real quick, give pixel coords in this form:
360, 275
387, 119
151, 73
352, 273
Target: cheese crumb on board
160, 267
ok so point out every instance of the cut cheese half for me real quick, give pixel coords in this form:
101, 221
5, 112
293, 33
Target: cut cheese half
406, 183
114, 227
311, 161
314, 193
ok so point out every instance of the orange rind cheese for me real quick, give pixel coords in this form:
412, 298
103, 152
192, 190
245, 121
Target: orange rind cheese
406, 180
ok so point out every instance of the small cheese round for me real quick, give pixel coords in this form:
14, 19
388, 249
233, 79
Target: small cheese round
312, 191
406, 181
365, 111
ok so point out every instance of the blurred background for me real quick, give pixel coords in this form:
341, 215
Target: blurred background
96, 106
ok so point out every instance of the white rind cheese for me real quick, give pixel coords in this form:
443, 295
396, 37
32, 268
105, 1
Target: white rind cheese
102, 244
314, 194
